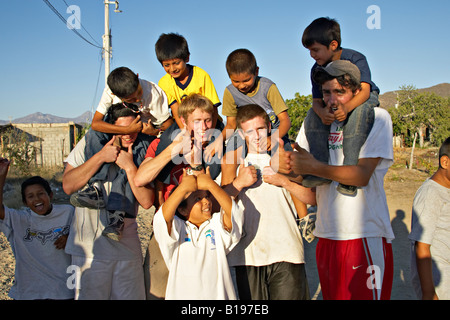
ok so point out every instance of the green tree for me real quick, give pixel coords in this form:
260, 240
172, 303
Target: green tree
18, 148
415, 112
297, 109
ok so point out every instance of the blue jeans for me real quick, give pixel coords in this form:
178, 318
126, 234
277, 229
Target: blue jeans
356, 129
121, 197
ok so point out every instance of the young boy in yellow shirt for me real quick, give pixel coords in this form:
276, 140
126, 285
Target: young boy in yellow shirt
182, 79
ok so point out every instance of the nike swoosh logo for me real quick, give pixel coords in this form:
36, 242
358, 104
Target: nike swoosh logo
354, 268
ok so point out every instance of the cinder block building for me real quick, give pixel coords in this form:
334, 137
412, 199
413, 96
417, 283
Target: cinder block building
51, 142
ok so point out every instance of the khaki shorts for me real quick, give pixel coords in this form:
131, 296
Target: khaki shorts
109, 279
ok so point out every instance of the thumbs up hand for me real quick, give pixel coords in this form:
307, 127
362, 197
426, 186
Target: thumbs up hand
247, 176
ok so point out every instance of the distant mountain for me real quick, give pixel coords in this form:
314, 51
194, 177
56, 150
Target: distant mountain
39, 117
389, 99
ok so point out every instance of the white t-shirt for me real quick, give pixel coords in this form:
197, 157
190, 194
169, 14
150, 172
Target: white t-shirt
430, 224
196, 257
342, 217
41, 269
154, 103
271, 233
85, 238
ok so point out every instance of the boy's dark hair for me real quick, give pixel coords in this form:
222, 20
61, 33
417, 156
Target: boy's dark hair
249, 112
241, 61
323, 31
171, 46
121, 109
444, 150
320, 76
32, 181
123, 82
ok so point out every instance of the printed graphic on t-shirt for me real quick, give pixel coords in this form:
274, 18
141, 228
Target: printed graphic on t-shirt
44, 236
335, 139
210, 238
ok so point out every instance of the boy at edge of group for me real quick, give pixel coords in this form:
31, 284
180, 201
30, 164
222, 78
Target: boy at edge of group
430, 233
354, 249
194, 241
149, 103
38, 236
323, 40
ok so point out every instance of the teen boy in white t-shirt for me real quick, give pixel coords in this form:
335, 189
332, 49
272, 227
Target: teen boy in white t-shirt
354, 253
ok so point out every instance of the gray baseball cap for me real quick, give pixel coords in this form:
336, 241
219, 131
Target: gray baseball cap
338, 68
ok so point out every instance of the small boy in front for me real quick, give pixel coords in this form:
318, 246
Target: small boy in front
38, 236
194, 242
182, 79
323, 40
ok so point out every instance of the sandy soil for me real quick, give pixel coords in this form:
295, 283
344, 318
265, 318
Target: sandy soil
400, 185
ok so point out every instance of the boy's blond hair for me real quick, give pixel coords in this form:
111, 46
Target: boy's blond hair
192, 102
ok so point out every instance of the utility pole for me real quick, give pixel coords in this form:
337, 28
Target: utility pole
107, 37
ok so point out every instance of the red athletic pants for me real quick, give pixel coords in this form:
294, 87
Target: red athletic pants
359, 269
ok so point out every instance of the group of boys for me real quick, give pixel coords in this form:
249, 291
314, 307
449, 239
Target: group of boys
166, 145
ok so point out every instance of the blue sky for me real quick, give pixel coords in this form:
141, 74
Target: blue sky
45, 67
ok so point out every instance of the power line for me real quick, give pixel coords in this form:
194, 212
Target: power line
82, 25
96, 87
65, 22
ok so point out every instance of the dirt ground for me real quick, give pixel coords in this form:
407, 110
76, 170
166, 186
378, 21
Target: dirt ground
400, 185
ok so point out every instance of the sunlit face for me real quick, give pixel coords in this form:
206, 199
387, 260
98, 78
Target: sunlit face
177, 68
321, 53
335, 95
199, 122
198, 208
126, 139
135, 97
244, 82
256, 132
37, 199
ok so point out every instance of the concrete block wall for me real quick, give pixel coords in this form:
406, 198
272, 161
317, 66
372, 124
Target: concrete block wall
52, 141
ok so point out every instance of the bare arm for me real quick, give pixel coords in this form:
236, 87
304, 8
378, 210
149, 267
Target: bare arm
151, 167
285, 124
204, 182
359, 98
4, 167
230, 127
169, 208
424, 269
305, 195
99, 125
323, 113
302, 162
232, 183
174, 107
